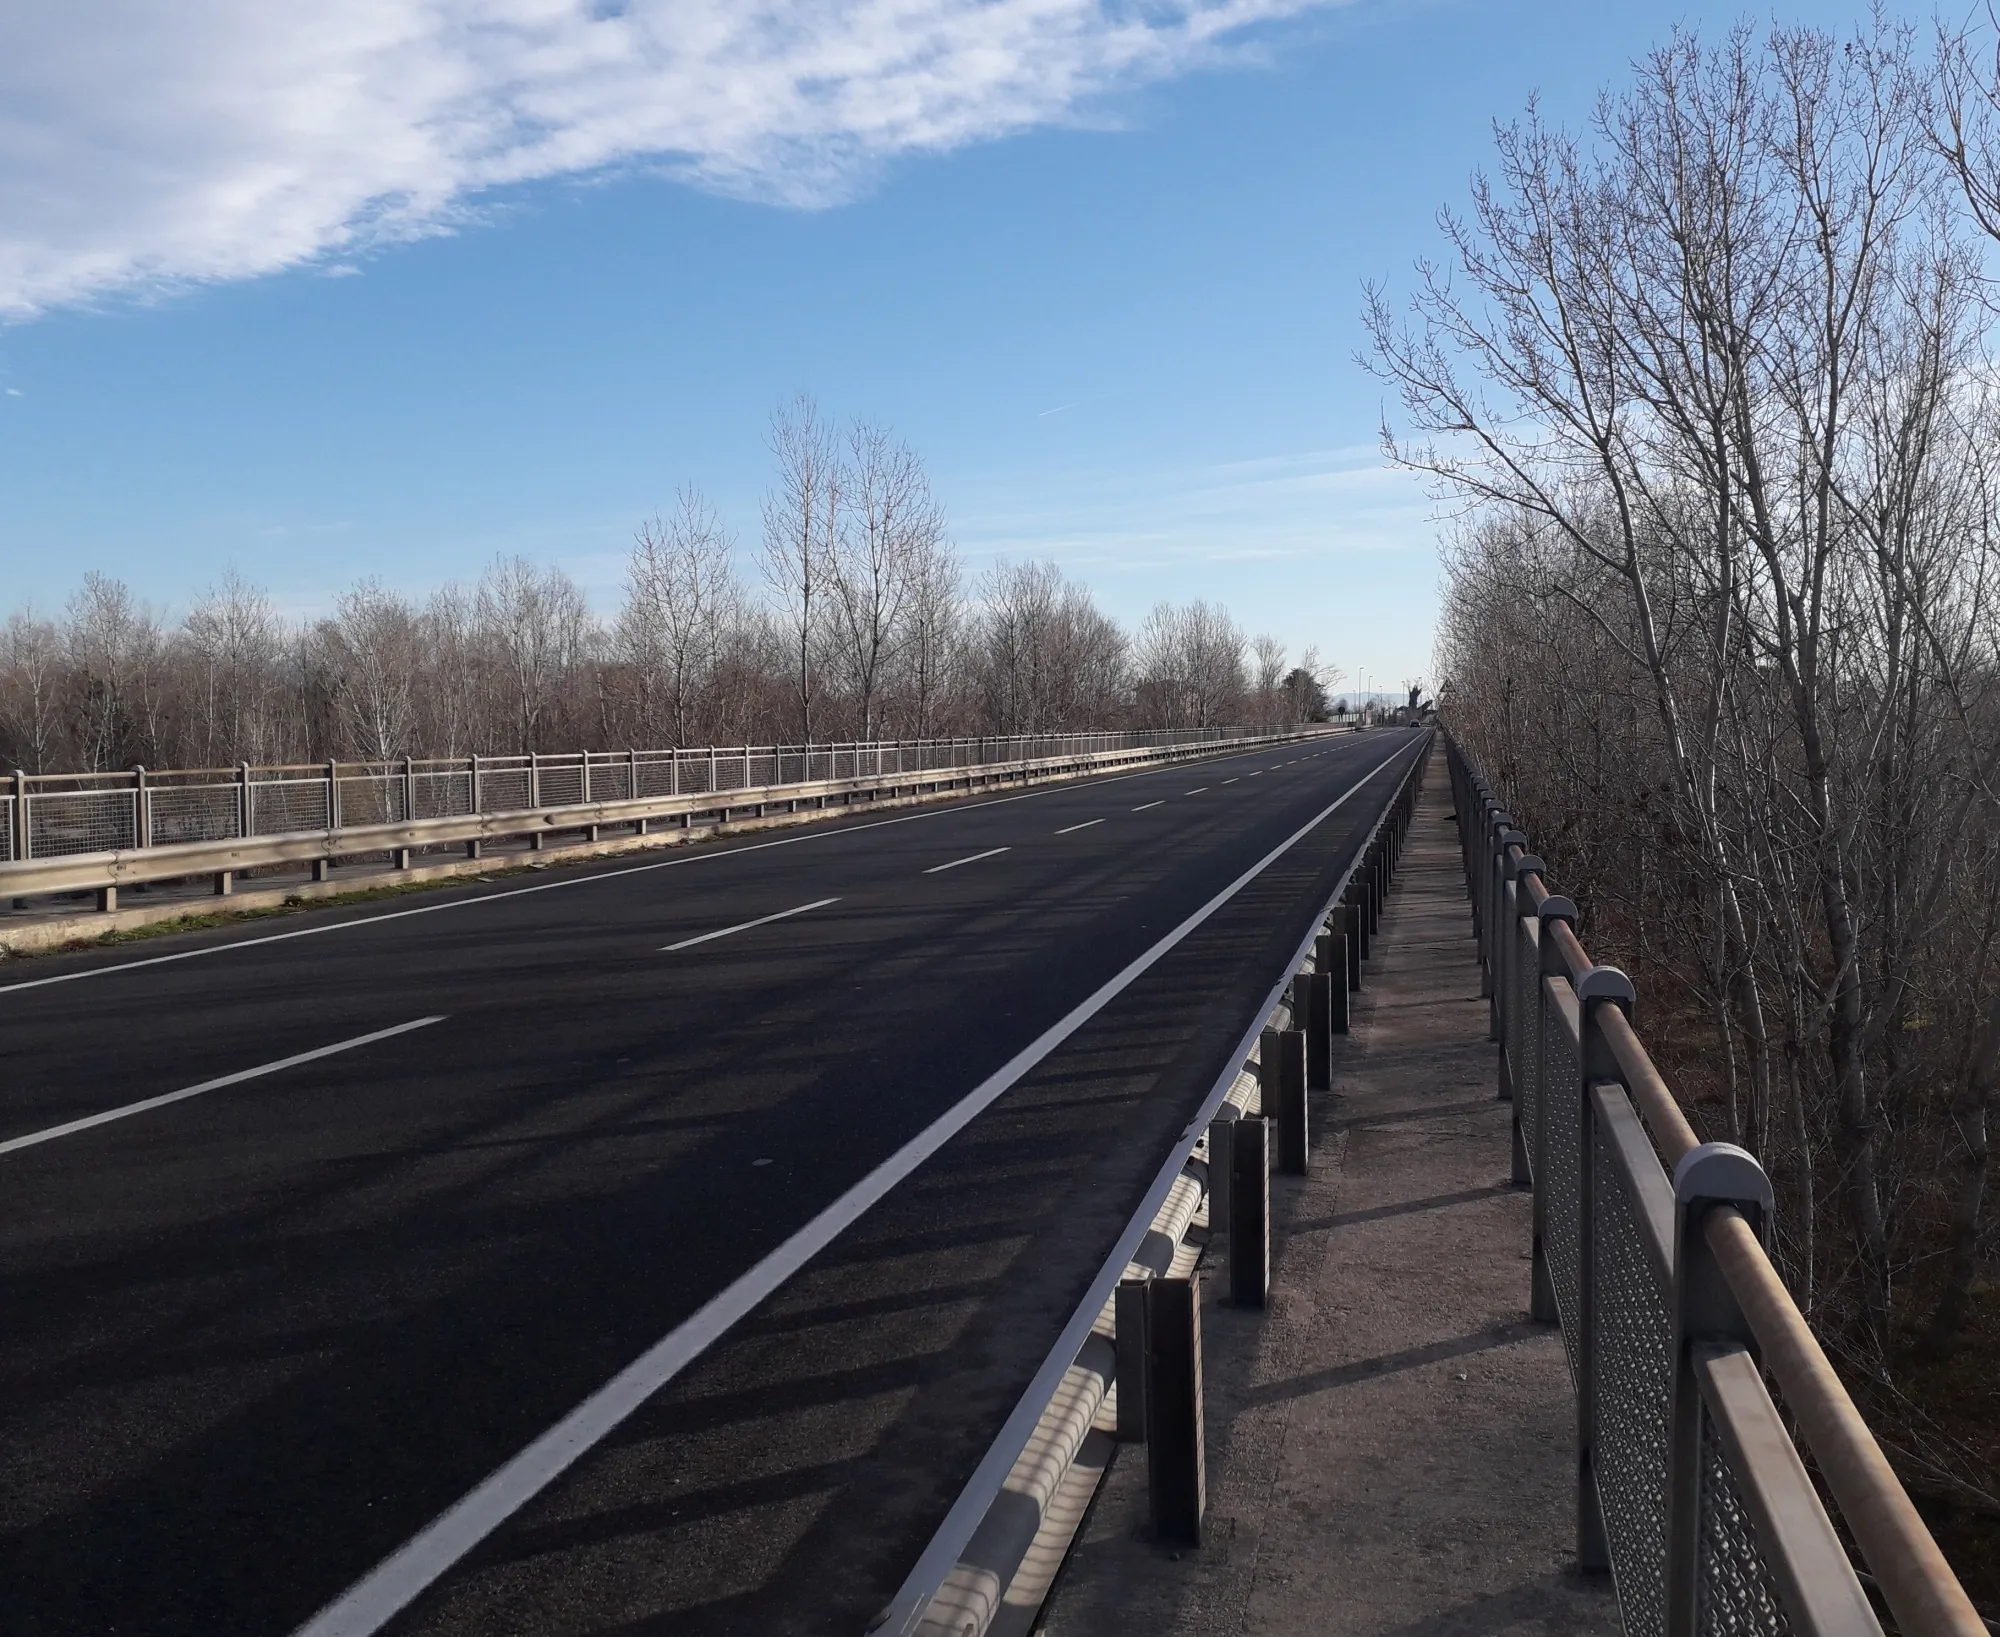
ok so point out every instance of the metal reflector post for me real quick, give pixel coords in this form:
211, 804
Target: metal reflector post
1176, 1470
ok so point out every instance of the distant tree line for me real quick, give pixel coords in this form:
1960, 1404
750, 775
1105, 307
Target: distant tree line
858, 623
1711, 387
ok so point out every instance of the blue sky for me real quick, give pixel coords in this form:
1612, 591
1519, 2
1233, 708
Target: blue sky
1113, 298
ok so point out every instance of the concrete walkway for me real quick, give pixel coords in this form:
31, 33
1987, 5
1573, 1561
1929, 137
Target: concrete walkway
1389, 1445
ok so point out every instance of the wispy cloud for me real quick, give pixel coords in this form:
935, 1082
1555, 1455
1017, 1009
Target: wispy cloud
146, 143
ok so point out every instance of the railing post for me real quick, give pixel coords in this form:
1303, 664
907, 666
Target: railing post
1599, 987
534, 779
22, 832
243, 814
1704, 1314
409, 790
142, 808
333, 795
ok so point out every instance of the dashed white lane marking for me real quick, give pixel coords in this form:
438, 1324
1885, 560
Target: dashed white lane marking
378, 1596
1197, 790
236, 1079
1232, 781
970, 858
745, 926
1144, 805
1085, 825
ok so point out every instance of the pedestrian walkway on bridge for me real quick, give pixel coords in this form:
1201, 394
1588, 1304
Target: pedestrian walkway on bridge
1390, 1443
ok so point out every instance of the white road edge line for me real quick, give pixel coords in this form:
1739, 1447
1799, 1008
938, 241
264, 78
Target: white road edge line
387, 1589
1085, 825
1145, 806
970, 858
236, 1079
745, 926
813, 834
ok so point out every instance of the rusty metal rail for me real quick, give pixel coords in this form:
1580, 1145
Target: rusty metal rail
1648, 1249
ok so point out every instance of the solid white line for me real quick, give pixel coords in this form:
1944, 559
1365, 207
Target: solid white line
1085, 825
55, 1131
1144, 805
378, 1596
815, 834
970, 858
745, 926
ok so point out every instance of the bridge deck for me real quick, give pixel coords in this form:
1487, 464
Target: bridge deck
1389, 1445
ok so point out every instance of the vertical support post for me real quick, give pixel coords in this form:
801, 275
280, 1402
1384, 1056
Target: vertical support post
107, 900
142, 808
22, 832
1601, 986
225, 883
409, 793
1221, 1135
332, 799
1285, 1096
243, 817
1176, 1468
632, 777
1357, 942
534, 779
1341, 975
1250, 1214
1128, 1342
1312, 1007
1716, 1174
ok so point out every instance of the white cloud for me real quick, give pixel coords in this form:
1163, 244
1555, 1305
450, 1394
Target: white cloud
149, 142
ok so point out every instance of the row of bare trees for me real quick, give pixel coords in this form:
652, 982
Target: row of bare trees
1709, 389
856, 622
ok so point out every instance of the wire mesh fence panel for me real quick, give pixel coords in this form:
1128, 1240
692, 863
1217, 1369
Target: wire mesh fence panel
280, 806
1735, 1593
194, 812
763, 769
561, 786
728, 771
372, 798
1562, 1086
1634, 1382
609, 781
504, 789
1530, 1071
82, 821
443, 795
8, 824
656, 778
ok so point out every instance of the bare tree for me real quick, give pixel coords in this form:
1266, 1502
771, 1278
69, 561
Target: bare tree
802, 519
681, 601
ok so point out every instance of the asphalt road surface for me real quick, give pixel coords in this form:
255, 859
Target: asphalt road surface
411, 1183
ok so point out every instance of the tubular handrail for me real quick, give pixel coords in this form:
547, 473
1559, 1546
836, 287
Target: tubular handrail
1916, 1581
1722, 1287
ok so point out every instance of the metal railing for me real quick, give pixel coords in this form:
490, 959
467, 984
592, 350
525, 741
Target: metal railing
1648, 1249
99, 831
55, 814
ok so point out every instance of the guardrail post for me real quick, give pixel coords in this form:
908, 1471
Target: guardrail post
1250, 1213
1128, 1343
1704, 1314
1330, 956
1599, 987
1176, 1471
1284, 1076
1312, 1006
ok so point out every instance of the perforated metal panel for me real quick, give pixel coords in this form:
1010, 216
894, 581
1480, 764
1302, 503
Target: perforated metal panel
1634, 1392
81, 821
1562, 1082
1737, 1596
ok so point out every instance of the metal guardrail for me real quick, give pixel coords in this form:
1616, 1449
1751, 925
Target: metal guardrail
57, 814
71, 832
987, 1577
1648, 1248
